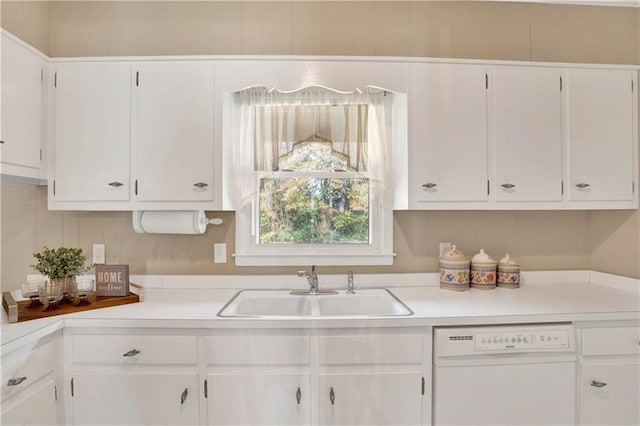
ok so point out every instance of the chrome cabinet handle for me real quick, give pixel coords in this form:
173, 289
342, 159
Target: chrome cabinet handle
429, 185
598, 384
200, 185
298, 395
508, 185
16, 381
131, 353
582, 185
115, 184
184, 395
332, 396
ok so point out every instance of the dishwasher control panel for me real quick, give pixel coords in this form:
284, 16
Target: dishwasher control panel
503, 339
540, 339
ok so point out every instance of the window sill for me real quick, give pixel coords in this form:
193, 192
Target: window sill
320, 259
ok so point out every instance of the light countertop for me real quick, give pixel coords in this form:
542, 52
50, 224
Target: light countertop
431, 306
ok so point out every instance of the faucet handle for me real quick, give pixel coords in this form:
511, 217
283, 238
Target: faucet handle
350, 283
302, 273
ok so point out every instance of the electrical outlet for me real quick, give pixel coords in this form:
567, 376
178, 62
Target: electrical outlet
220, 253
444, 247
99, 254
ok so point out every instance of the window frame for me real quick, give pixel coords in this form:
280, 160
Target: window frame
249, 252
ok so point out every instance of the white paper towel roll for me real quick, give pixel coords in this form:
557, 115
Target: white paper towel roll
170, 222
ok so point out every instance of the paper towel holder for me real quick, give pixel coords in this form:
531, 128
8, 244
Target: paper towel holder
199, 218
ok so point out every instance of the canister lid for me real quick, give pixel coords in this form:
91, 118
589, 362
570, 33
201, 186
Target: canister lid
482, 257
507, 260
454, 254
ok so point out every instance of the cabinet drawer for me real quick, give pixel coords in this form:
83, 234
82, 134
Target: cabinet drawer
108, 349
258, 350
389, 349
21, 370
611, 341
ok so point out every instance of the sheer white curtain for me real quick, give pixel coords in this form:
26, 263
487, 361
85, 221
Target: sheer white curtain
271, 122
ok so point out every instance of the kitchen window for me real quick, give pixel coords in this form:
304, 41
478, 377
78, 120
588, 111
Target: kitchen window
310, 172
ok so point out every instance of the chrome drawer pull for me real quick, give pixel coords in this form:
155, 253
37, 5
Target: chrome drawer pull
332, 396
582, 185
184, 395
429, 185
597, 384
299, 395
115, 184
16, 381
200, 185
508, 185
131, 353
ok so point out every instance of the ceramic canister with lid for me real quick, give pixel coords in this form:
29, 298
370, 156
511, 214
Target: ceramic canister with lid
454, 270
483, 271
508, 273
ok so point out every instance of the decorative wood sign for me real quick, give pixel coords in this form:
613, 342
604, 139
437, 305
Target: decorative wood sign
112, 280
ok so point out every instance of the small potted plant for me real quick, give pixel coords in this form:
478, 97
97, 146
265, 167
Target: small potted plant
61, 266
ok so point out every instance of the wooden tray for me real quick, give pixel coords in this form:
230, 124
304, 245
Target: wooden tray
17, 311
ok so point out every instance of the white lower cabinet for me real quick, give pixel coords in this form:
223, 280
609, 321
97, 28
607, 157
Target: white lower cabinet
137, 398
259, 399
609, 393
249, 377
30, 379
393, 398
137, 378
610, 376
37, 406
318, 377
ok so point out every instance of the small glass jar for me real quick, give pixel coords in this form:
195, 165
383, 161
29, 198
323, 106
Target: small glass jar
29, 291
50, 294
83, 289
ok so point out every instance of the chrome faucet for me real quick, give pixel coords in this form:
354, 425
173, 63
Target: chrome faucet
350, 283
311, 278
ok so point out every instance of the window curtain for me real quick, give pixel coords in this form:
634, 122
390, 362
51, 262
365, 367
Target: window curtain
271, 122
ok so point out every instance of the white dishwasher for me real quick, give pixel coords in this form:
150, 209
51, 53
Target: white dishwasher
504, 375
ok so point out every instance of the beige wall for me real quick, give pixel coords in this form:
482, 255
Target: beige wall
519, 31
28, 20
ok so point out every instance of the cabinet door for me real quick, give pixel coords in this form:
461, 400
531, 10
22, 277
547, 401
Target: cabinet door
36, 406
449, 132
112, 398
92, 142
22, 73
174, 131
371, 399
259, 399
528, 134
610, 394
600, 130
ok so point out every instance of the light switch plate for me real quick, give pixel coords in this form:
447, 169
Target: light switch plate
99, 254
220, 253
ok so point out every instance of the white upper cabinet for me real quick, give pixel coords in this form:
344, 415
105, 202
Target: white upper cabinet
173, 130
92, 125
528, 134
600, 130
22, 106
449, 132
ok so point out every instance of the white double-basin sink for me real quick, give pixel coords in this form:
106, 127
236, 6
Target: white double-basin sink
371, 302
